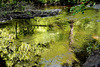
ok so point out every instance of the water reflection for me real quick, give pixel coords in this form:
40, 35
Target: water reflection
49, 46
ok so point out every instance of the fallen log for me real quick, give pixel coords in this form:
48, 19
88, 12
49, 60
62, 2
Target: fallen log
29, 14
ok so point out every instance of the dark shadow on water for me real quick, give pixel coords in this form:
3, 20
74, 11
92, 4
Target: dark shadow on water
2, 62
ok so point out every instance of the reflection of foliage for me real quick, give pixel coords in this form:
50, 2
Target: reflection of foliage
55, 23
28, 50
25, 27
17, 53
22, 55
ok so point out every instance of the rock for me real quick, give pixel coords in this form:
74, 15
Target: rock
55, 65
97, 20
93, 60
97, 6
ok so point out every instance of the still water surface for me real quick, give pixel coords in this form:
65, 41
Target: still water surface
49, 37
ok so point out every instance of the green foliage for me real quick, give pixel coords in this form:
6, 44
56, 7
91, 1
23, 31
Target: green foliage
51, 1
77, 9
80, 8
